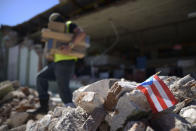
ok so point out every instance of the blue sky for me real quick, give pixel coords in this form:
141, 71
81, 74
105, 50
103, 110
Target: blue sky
13, 12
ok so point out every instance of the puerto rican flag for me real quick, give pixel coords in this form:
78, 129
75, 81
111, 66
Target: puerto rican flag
157, 93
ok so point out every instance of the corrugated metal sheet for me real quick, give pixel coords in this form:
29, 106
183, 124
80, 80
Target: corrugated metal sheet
33, 67
13, 63
23, 65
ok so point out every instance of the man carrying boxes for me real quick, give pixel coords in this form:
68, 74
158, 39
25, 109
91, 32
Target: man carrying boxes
65, 45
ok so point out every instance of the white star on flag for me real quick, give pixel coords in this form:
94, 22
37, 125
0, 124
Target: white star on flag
157, 93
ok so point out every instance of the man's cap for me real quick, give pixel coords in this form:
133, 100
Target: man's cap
54, 16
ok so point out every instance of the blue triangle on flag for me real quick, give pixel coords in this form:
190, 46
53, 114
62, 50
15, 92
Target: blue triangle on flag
149, 81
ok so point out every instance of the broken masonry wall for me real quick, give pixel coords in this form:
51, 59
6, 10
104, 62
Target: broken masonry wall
19, 61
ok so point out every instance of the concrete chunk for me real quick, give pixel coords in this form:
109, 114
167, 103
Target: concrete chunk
18, 118
189, 113
89, 101
94, 120
135, 126
128, 105
100, 87
5, 88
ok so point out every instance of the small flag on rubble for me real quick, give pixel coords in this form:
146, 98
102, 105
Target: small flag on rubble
157, 94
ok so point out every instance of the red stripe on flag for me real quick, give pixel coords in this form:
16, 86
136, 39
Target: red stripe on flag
158, 96
145, 92
166, 89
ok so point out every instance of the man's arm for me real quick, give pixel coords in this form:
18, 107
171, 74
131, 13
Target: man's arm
79, 36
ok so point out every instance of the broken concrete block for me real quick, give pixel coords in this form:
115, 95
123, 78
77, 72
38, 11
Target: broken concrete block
184, 88
57, 111
135, 126
13, 94
176, 108
71, 119
31, 126
4, 128
18, 118
19, 128
5, 88
117, 90
141, 103
104, 126
94, 120
100, 87
189, 113
51, 126
89, 101
25, 90
112, 98
33, 92
148, 128
16, 84
169, 80
185, 80
167, 121
129, 105
127, 85
44, 122
23, 106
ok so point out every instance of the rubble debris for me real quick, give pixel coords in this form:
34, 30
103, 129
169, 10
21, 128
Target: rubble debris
30, 125
89, 101
17, 119
148, 128
94, 120
127, 108
5, 88
184, 88
112, 98
104, 126
100, 87
71, 119
189, 113
106, 105
13, 94
3, 127
14, 105
167, 121
135, 126
179, 106
19, 128
129, 105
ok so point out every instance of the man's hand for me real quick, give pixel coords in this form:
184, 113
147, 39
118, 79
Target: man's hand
65, 49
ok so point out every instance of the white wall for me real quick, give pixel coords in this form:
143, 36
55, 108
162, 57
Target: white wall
13, 54
23, 65
33, 67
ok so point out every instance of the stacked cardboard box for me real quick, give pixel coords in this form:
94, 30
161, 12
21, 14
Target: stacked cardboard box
56, 34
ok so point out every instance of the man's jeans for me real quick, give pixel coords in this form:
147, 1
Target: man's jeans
61, 72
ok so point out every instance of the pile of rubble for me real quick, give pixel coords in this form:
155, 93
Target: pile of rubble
15, 104
112, 104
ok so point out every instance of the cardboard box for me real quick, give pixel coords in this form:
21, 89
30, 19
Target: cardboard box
55, 37
78, 50
57, 26
47, 34
61, 37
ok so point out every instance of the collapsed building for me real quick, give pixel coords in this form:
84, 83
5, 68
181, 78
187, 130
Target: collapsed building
108, 104
130, 39
144, 37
